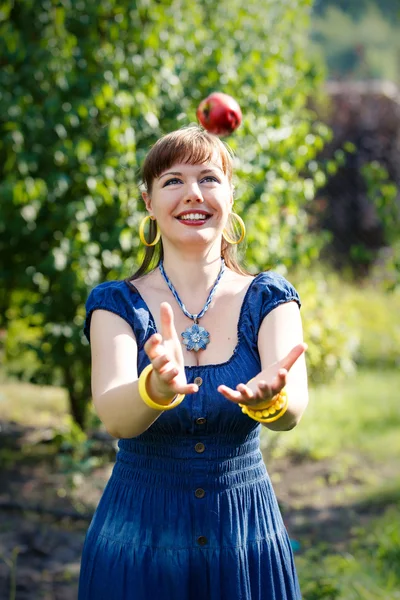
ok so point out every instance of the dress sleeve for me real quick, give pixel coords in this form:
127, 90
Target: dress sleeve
269, 290
275, 290
111, 296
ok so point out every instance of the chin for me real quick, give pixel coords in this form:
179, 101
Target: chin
195, 239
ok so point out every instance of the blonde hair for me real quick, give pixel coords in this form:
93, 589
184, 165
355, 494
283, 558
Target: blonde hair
188, 145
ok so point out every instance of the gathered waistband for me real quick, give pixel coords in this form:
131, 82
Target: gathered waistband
173, 462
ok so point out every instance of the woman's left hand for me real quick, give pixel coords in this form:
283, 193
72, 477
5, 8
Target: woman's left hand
267, 384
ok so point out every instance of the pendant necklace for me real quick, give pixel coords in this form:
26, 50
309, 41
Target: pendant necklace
195, 337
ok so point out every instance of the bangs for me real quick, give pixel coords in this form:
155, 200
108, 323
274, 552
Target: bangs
190, 145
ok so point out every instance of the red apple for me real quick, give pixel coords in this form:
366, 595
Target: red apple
219, 113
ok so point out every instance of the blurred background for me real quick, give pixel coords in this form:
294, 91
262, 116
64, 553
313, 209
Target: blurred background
85, 89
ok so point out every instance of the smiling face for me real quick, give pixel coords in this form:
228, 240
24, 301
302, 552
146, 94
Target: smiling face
191, 202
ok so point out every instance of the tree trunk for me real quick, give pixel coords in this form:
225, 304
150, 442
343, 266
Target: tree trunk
77, 401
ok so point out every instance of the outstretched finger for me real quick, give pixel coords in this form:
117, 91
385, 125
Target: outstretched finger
168, 330
162, 363
190, 388
247, 393
295, 353
168, 373
280, 380
266, 390
230, 394
153, 346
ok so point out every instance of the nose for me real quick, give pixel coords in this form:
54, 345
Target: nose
193, 194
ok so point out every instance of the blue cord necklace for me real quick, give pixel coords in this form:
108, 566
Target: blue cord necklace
195, 337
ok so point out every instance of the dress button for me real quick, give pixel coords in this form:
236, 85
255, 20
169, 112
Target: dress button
201, 421
198, 381
199, 447
202, 540
199, 493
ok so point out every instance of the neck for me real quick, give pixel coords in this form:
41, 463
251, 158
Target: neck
192, 275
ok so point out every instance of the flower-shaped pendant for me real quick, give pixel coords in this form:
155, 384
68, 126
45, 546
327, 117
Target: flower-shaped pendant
195, 338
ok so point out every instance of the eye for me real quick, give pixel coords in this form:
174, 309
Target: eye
172, 181
210, 178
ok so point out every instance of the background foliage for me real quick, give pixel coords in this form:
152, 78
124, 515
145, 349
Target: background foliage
85, 89
356, 9
358, 39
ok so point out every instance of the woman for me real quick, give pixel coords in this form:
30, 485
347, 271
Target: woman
187, 361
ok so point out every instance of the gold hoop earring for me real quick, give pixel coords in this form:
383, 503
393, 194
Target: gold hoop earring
242, 234
141, 232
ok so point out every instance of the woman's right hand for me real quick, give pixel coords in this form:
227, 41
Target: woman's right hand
164, 350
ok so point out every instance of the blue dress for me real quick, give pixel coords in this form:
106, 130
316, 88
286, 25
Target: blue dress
189, 512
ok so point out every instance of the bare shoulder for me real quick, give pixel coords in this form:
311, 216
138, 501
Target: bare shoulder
149, 281
236, 284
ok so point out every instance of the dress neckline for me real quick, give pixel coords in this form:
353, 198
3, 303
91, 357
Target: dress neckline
134, 289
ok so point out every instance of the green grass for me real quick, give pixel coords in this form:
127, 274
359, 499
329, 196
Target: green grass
367, 570
33, 405
357, 415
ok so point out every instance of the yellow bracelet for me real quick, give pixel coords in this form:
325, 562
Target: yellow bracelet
144, 375
277, 408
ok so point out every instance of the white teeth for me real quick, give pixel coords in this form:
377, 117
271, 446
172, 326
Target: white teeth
193, 217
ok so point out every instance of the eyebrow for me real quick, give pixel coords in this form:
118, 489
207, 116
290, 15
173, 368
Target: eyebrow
203, 172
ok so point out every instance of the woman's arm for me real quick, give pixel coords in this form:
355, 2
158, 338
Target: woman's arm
280, 332
281, 349
115, 388
114, 377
